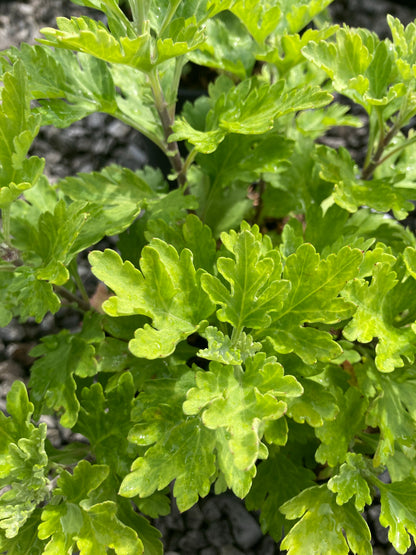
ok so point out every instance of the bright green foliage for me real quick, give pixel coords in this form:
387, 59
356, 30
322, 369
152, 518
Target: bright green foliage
69, 87
19, 127
183, 448
337, 435
53, 383
392, 409
350, 192
102, 418
81, 517
23, 463
92, 37
254, 277
241, 402
398, 512
250, 108
375, 318
313, 297
166, 276
325, 533
351, 483
255, 324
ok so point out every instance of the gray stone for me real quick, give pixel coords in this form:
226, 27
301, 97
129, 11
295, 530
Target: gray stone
245, 528
192, 541
230, 550
209, 551
210, 510
218, 533
193, 518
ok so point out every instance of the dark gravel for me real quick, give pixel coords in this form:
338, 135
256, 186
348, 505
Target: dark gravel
217, 525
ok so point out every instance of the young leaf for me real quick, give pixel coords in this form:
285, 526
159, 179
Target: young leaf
227, 47
253, 273
23, 463
337, 435
250, 108
374, 318
19, 128
349, 482
183, 448
241, 402
105, 422
68, 86
80, 518
324, 535
27, 540
313, 297
52, 383
398, 512
350, 192
161, 291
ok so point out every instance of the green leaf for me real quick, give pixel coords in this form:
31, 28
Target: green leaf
389, 193
183, 448
27, 540
313, 297
337, 435
315, 406
105, 421
53, 385
241, 402
139, 52
360, 65
161, 291
325, 534
79, 518
68, 86
260, 18
278, 479
250, 108
375, 318
227, 47
290, 52
398, 512
392, 408
192, 235
23, 463
18, 127
253, 273
350, 482
33, 296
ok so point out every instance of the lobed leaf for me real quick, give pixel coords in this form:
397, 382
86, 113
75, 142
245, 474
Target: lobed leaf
374, 318
253, 273
23, 464
80, 518
241, 402
341, 530
161, 291
313, 297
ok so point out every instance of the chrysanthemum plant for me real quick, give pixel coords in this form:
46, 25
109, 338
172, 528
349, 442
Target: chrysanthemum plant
256, 324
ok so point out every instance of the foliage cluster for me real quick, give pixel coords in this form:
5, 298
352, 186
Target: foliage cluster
259, 331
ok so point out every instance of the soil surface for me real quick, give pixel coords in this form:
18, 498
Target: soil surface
217, 525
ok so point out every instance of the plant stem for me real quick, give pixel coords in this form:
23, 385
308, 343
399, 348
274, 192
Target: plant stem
377, 159
82, 305
74, 272
171, 149
5, 213
138, 12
